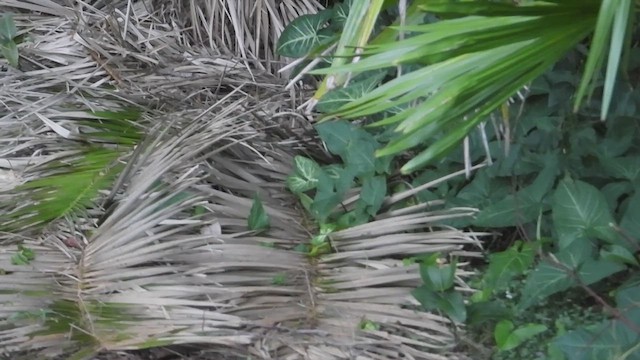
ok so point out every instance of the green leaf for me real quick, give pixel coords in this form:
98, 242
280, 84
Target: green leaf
595, 270
373, 192
360, 156
505, 265
337, 135
450, 302
303, 34
631, 220
23, 256
258, 218
513, 210
576, 254
507, 338
438, 276
10, 52
618, 254
8, 30
627, 167
547, 279
323, 204
307, 169
487, 311
336, 98
606, 340
581, 211
296, 184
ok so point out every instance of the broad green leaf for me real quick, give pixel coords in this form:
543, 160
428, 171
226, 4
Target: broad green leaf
307, 169
508, 338
10, 52
606, 340
334, 99
513, 210
487, 311
595, 270
547, 279
438, 276
306, 201
303, 35
337, 135
581, 211
627, 167
373, 192
324, 203
450, 302
258, 218
618, 254
505, 265
631, 220
342, 177
298, 185
360, 156
8, 30
576, 254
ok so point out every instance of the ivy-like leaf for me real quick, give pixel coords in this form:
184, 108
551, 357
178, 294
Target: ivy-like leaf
258, 218
507, 338
450, 302
581, 211
303, 34
307, 169
596, 270
334, 99
547, 279
503, 266
607, 340
631, 220
439, 277
373, 192
298, 185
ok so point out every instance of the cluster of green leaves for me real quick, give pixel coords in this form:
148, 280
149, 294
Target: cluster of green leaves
322, 189
23, 256
8, 35
570, 185
567, 182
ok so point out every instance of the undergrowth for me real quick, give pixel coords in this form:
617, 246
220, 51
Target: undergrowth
565, 183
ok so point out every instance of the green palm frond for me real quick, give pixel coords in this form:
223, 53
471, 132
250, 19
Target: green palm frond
473, 61
70, 184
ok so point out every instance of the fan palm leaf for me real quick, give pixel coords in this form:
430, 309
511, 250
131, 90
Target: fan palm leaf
473, 60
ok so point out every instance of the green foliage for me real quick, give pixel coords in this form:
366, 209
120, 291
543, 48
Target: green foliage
23, 256
568, 182
8, 33
305, 34
322, 189
508, 337
258, 218
437, 291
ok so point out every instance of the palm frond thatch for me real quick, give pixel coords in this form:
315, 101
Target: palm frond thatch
163, 254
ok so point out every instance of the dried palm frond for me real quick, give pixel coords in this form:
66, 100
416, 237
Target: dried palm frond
161, 254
